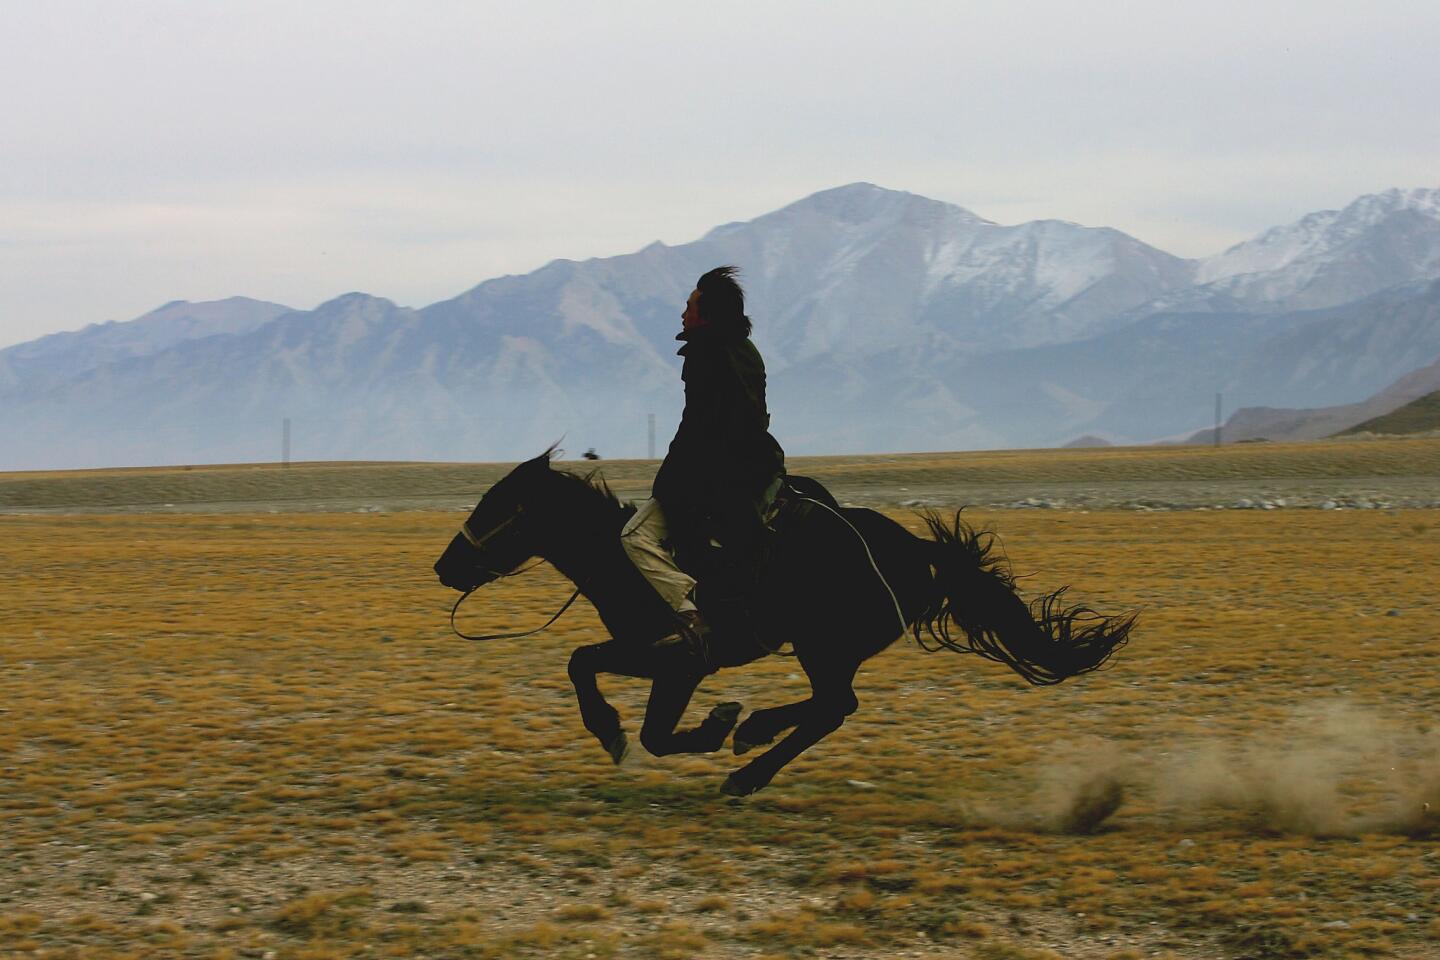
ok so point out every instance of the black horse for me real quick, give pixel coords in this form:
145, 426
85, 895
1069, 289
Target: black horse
840, 586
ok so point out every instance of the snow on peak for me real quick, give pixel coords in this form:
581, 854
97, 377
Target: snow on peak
1317, 235
1377, 205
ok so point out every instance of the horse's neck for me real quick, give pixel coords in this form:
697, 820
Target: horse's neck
587, 550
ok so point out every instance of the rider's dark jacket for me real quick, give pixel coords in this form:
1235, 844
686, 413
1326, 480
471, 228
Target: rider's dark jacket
723, 460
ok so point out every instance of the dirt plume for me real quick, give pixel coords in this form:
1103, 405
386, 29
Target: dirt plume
1331, 769
1334, 769
1079, 795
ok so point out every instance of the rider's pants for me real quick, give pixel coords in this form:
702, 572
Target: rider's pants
642, 538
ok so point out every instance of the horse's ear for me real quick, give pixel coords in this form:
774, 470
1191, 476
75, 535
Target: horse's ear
541, 462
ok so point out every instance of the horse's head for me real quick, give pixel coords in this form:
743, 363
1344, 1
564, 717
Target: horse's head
499, 535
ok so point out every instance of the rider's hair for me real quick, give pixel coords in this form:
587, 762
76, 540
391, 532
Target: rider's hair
722, 301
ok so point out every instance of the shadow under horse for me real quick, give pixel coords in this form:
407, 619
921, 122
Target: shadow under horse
839, 586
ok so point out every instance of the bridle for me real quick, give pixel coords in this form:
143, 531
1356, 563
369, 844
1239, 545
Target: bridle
478, 542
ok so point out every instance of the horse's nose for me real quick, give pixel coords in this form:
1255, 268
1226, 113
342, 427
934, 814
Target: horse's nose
440, 573
453, 582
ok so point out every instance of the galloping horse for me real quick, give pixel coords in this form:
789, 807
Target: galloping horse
840, 586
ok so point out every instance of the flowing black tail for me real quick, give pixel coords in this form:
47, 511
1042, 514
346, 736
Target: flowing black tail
1044, 641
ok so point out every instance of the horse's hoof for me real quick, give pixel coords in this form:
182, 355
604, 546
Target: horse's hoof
618, 748
727, 713
744, 746
734, 786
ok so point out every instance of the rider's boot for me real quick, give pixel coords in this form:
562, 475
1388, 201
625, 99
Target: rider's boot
690, 639
731, 622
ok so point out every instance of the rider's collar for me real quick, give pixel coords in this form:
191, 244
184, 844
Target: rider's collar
708, 332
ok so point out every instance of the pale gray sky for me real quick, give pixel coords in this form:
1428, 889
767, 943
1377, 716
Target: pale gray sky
152, 151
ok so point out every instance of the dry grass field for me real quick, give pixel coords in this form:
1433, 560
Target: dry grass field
250, 734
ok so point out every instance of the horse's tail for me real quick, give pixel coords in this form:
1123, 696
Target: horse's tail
1044, 641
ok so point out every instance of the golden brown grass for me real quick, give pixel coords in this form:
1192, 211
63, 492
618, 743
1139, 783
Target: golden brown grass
232, 735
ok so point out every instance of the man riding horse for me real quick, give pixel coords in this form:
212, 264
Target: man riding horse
840, 585
719, 477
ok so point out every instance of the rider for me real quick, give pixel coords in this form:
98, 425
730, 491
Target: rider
721, 472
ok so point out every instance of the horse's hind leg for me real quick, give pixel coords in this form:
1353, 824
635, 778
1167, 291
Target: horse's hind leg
833, 701
763, 726
669, 696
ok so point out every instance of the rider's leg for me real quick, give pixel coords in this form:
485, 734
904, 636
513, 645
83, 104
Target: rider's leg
642, 538
731, 587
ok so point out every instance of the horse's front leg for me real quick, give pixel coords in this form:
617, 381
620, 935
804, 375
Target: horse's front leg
599, 717
669, 696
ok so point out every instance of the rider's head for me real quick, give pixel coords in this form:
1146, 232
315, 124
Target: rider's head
718, 301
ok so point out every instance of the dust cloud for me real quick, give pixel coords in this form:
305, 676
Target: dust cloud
1079, 795
1332, 769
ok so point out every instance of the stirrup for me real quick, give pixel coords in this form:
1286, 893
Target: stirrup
691, 635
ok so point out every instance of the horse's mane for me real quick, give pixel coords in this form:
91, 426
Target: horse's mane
594, 485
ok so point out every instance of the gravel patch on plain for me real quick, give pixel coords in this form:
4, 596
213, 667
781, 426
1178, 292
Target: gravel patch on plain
1323, 475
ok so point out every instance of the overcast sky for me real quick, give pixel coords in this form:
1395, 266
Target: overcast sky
152, 151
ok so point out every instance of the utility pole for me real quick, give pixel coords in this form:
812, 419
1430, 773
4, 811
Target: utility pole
1217, 419
285, 443
650, 445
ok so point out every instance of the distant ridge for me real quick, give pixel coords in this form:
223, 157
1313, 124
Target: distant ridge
54, 359
1264, 423
1421, 415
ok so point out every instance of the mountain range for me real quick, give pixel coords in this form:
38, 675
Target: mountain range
888, 321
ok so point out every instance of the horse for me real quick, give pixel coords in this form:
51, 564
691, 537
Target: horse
839, 585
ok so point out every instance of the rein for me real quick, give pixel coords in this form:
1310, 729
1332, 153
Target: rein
478, 542
507, 636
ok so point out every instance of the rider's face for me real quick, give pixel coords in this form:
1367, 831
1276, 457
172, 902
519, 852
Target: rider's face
691, 316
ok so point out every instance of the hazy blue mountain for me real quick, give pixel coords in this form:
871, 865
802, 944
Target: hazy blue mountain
1154, 378
1158, 377
55, 358
888, 322
223, 396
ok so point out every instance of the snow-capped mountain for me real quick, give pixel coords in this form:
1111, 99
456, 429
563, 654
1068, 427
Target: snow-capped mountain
847, 272
888, 322
1333, 256
859, 268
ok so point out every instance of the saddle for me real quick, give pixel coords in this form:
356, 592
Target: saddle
730, 586
794, 497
